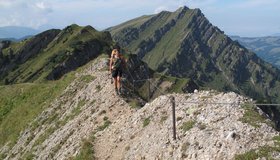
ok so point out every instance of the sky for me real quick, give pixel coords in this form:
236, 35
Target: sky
247, 18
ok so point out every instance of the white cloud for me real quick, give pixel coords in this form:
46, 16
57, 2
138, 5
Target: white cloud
160, 8
33, 13
43, 7
4, 3
102, 13
40, 5
11, 20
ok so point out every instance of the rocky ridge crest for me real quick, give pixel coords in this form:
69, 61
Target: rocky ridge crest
88, 107
204, 131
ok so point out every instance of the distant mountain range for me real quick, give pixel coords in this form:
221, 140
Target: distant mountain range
276, 34
268, 48
15, 32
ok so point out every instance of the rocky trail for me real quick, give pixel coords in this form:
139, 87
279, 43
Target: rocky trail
80, 111
90, 108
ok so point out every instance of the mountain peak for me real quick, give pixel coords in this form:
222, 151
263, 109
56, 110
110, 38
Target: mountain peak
197, 10
167, 41
184, 8
72, 27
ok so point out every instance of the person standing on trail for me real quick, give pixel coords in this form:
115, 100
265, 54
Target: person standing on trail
116, 69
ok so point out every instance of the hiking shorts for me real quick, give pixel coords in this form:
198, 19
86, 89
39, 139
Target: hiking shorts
116, 73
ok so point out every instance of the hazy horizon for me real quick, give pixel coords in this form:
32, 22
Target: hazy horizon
246, 18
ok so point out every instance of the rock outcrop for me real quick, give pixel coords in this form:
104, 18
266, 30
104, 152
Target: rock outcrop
210, 124
204, 131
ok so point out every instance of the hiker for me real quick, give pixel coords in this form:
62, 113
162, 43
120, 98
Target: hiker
116, 68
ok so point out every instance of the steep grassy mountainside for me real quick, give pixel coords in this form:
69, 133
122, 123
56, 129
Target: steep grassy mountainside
88, 121
185, 44
268, 48
51, 54
21, 103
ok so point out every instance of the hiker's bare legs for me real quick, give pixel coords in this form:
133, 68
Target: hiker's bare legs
116, 82
119, 82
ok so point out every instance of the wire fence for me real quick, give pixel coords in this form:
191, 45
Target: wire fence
172, 100
149, 80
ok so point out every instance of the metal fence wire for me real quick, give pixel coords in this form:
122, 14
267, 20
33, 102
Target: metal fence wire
172, 100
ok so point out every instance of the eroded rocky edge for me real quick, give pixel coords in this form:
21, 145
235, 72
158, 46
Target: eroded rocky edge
216, 131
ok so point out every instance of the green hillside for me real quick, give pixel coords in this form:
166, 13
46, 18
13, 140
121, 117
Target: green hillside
37, 70
185, 44
21, 103
57, 99
51, 54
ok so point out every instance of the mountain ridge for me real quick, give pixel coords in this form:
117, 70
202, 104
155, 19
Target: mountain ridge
65, 106
185, 44
86, 117
51, 54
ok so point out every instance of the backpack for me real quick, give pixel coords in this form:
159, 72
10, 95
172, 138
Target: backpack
117, 63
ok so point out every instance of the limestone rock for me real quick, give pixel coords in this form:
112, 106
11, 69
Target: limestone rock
206, 129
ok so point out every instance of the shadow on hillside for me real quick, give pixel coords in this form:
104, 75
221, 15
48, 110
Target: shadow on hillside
273, 111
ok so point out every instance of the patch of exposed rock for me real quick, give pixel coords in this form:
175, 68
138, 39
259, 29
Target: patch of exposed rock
59, 131
204, 131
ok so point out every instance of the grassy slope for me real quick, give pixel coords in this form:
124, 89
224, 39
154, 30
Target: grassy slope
56, 52
158, 20
21, 103
168, 46
169, 43
134, 22
196, 49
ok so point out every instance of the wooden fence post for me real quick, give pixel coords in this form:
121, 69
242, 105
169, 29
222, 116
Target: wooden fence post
173, 117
